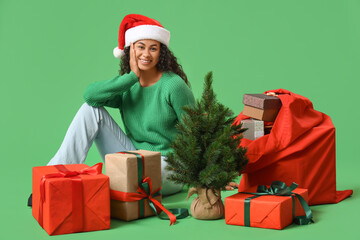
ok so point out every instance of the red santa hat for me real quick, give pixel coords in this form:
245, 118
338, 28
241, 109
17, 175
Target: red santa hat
135, 27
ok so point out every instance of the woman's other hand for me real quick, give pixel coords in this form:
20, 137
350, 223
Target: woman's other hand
231, 186
133, 63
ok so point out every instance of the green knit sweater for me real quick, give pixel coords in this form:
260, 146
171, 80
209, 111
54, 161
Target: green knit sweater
149, 113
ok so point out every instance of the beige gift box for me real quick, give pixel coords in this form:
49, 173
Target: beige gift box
122, 170
268, 115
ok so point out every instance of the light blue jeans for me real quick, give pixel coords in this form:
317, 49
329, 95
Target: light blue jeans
95, 124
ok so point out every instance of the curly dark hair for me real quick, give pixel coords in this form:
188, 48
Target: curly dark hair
167, 63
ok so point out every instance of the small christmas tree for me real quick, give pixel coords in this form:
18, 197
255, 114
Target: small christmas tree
206, 153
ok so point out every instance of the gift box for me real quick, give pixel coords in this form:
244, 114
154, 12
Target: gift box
268, 115
267, 211
71, 198
261, 106
262, 101
135, 177
267, 129
255, 129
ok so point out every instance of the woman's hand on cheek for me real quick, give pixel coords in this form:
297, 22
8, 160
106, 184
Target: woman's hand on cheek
133, 63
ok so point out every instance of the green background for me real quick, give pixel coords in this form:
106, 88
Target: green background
51, 50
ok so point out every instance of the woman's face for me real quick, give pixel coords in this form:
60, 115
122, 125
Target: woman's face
147, 53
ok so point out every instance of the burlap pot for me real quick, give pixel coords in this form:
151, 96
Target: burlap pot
208, 205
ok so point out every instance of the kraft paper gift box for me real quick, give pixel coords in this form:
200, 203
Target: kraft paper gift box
71, 198
124, 178
261, 106
262, 101
267, 115
268, 211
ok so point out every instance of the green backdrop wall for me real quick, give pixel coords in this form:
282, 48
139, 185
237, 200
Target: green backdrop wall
51, 50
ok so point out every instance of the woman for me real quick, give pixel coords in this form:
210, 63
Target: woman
149, 92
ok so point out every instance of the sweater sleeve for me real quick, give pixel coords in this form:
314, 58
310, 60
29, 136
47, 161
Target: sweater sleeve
108, 93
181, 95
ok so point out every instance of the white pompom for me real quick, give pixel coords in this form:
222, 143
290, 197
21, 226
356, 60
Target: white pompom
118, 53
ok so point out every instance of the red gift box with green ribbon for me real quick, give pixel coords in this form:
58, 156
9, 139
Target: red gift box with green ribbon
272, 207
71, 198
135, 186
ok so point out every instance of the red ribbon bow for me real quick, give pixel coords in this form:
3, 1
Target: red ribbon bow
77, 193
64, 173
141, 194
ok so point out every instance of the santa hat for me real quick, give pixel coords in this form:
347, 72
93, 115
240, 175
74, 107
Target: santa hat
135, 27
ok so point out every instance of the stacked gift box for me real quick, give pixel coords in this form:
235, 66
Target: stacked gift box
262, 110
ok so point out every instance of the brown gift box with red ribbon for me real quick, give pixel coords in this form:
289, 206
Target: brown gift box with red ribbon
71, 198
125, 175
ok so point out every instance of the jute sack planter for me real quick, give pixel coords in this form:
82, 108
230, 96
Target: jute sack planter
208, 205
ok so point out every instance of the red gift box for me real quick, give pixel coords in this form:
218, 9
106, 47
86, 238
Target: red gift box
267, 211
71, 198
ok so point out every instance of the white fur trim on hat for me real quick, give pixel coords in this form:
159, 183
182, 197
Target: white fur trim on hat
147, 32
118, 53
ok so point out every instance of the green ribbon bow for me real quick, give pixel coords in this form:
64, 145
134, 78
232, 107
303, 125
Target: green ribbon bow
279, 188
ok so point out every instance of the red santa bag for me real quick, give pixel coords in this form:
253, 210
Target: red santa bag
300, 148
